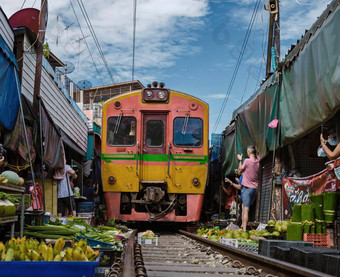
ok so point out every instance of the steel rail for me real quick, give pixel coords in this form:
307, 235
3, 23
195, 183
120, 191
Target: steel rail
129, 256
268, 265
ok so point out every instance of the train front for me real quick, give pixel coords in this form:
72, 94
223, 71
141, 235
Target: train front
154, 155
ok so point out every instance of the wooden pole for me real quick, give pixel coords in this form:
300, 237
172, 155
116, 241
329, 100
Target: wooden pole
40, 46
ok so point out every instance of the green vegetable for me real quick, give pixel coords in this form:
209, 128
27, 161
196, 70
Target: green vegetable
46, 236
53, 230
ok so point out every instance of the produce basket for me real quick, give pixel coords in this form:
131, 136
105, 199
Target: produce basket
320, 240
148, 240
51, 269
230, 242
87, 217
85, 207
108, 255
331, 264
249, 246
267, 247
96, 243
282, 253
34, 218
310, 257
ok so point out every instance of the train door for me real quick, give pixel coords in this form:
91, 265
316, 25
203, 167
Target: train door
154, 147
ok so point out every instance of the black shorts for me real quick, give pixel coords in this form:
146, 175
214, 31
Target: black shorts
65, 203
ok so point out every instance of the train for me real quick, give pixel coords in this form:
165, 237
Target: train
155, 153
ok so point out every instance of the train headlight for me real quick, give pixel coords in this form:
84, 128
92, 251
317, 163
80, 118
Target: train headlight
161, 94
111, 180
149, 94
195, 182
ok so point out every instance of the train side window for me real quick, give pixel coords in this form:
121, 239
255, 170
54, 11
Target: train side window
154, 136
188, 132
121, 131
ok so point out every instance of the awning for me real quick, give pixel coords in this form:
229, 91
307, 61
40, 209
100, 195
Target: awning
229, 159
9, 86
311, 84
251, 119
71, 144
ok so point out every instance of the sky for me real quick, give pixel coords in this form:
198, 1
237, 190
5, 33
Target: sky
190, 45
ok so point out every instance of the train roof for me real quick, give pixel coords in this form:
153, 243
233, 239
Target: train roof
171, 90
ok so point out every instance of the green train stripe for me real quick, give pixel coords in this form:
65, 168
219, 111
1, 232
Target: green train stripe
202, 159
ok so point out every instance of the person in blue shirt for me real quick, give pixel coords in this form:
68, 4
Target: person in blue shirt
91, 190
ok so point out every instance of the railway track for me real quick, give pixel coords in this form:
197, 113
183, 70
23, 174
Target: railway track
187, 255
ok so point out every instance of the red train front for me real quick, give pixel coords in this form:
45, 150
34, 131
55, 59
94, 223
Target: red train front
155, 155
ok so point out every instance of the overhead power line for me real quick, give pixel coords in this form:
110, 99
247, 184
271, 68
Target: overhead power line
93, 33
134, 38
87, 46
238, 63
23, 4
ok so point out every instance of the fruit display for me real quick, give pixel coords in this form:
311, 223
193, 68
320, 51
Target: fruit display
279, 226
31, 250
216, 233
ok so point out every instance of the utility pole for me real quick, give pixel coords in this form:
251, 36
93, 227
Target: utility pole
273, 50
37, 108
40, 46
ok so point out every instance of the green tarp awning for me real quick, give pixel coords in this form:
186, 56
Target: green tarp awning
310, 92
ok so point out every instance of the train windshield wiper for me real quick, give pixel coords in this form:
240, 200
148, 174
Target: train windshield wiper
119, 119
185, 124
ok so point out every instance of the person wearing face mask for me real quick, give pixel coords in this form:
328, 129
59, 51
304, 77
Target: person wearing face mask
330, 147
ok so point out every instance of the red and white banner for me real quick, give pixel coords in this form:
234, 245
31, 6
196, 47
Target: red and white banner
297, 190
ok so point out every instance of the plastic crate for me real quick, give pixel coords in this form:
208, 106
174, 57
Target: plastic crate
148, 240
110, 254
282, 253
310, 257
320, 240
331, 264
34, 218
249, 246
267, 247
95, 243
230, 242
85, 207
87, 217
51, 269
101, 271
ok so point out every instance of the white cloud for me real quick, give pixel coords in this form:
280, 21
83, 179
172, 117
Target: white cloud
296, 18
165, 30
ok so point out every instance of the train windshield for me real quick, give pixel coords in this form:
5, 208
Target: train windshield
189, 135
154, 133
121, 130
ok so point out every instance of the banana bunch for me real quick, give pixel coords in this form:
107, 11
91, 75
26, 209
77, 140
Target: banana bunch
31, 250
80, 252
3, 180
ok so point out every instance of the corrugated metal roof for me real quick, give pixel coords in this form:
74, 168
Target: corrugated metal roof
296, 49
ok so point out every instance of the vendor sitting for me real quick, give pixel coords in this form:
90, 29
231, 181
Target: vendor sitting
329, 146
91, 190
